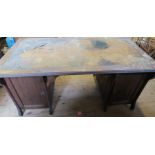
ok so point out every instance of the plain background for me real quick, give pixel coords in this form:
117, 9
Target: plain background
77, 18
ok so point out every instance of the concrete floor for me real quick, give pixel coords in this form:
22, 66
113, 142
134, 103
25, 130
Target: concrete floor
79, 96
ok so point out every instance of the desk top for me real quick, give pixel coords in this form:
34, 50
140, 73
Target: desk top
62, 56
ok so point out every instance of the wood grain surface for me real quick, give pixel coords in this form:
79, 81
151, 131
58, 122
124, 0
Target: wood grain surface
63, 56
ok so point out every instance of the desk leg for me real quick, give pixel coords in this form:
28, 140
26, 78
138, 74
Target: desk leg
121, 88
13, 94
105, 84
50, 89
138, 90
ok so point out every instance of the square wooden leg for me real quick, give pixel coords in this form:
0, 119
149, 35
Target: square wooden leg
50, 90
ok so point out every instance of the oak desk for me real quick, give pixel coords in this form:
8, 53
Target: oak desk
30, 67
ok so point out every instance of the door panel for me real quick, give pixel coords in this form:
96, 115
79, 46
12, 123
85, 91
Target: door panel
32, 91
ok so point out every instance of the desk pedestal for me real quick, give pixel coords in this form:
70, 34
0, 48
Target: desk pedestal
121, 88
30, 92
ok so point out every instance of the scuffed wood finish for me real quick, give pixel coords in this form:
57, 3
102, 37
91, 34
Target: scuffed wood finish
121, 88
121, 68
62, 56
14, 95
28, 92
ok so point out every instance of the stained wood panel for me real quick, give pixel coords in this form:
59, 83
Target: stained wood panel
124, 88
121, 88
14, 95
32, 91
105, 84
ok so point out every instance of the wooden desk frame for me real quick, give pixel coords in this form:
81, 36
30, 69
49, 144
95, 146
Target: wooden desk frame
129, 87
19, 91
30, 67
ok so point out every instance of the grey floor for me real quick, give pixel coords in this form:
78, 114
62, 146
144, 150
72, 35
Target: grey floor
79, 96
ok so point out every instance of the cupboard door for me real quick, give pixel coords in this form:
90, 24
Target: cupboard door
125, 88
31, 90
